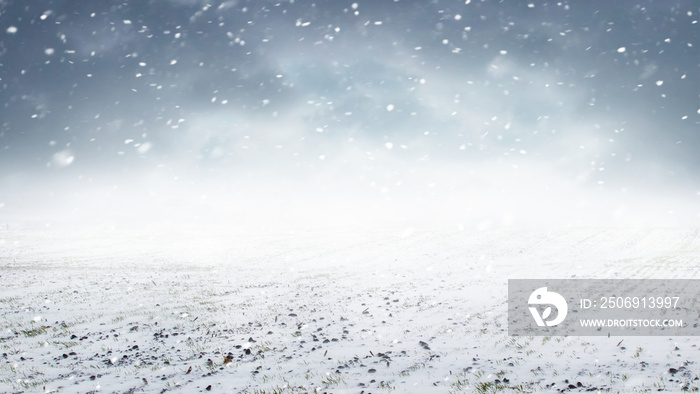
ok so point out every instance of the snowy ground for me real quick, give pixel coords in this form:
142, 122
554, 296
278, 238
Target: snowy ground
335, 311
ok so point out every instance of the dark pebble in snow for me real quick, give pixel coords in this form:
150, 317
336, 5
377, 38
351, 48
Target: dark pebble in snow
571, 386
209, 388
372, 370
65, 355
93, 377
672, 371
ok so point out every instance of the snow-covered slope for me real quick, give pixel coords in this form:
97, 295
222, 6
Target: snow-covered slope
411, 310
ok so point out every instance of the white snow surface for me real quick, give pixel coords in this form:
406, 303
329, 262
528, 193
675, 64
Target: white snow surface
183, 309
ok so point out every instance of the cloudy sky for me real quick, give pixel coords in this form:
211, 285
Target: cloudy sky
461, 113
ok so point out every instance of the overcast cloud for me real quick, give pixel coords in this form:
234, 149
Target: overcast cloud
471, 114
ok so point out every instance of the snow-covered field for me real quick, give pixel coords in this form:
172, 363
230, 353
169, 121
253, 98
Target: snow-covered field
188, 310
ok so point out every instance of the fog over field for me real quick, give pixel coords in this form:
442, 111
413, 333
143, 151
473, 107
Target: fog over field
295, 196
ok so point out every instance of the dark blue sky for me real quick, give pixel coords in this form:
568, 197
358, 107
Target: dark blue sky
604, 94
